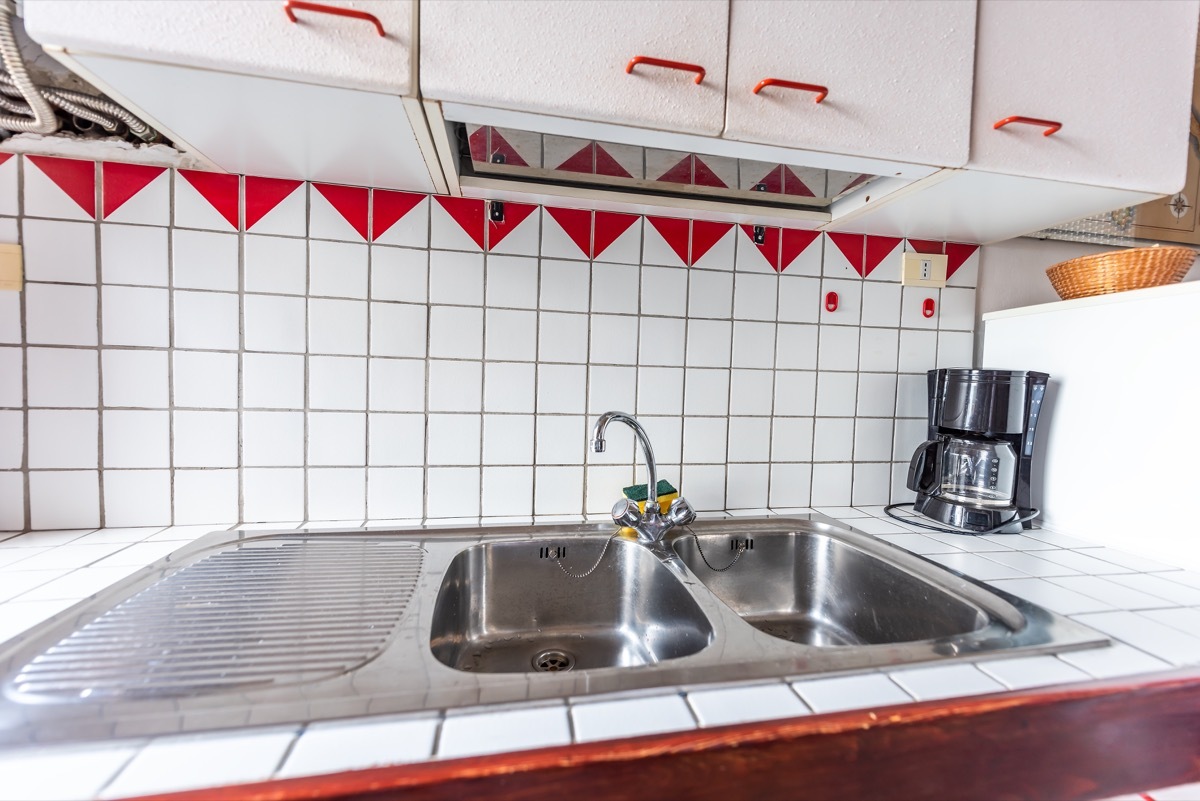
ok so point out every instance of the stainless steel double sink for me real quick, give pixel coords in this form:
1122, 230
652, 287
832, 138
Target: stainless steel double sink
257, 628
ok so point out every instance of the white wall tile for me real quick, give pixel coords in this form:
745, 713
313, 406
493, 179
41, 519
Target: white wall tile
60, 315
831, 484
272, 381
800, 299
704, 440
399, 329
395, 493
510, 335
881, 304
753, 344
455, 277
396, 385
204, 260
135, 316
205, 379
209, 320
561, 439
12, 381
562, 337
707, 391
615, 288
709, 343
660, 390
337, 382
749, 439
137, 438
63, 439
337, 327
508, 439
512, 281
400, 274
136, 497
395, 440
878, 349
455, 439
455, 386
710, 294
273, 439
48, 488
562, 389
272, 494
10, 318
558, 490
876, 394
872, 484
337, 269
62, 252
912, 304
58, 377
133, 254
12, 439
755, 296
796, 347
836, 394
337, 493
664, 291
838, 348
136, 378
958, 309
205, 439
795, 393
508, 387
337, 439
849, 302
833, 439
791, 439
661, 340
955, 349
275, 264
791, 485
12, 501
452, 491
704, 486
565, 285
747, 486
205, 497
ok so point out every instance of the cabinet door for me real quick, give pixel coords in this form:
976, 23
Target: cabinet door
569, 59
262, 126
898, 75
249, 37
1117, 76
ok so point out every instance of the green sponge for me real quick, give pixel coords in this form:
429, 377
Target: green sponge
639, 492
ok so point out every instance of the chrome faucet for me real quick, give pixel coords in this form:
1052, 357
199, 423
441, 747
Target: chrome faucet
650, 525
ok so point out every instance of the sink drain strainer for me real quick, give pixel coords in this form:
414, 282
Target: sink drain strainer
553, 661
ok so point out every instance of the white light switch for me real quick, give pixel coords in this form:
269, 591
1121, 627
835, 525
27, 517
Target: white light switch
923, 269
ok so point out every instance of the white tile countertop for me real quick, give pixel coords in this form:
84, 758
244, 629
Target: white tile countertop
1150, 610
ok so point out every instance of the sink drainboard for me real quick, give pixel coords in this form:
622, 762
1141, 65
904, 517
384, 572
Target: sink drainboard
257, 615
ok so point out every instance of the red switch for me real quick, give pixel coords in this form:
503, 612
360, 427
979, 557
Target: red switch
831, 302
927, 307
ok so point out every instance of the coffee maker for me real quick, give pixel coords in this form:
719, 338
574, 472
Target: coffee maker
972, 476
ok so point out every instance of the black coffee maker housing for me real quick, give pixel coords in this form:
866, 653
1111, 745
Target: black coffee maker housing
973, 473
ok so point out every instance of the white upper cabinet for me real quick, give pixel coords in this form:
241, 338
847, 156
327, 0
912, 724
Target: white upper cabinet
898, 77
1116, 76
321, 46
570, 59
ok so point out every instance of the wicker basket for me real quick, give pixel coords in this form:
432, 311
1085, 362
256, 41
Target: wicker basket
1105, 273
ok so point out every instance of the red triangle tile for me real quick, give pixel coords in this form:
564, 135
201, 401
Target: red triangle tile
219, 189
123, 181
608, 226
514, 215
878, 248
851, 246
580, 162
468, 213
264, 194
704, 176
350, 201
511, 156
859, 180
76, 178
675, 232
5, 157
387, 208
793, 242
577, 223
772, 182
681, 173
926, 245
794, 186
770, 246
477, 143
607, 165
957, 254
705, 234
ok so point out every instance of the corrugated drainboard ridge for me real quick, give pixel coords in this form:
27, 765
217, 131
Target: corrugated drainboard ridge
259, 614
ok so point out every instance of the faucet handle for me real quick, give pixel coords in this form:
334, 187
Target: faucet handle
625, 513
680, 513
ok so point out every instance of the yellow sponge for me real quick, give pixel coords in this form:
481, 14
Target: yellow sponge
640, 493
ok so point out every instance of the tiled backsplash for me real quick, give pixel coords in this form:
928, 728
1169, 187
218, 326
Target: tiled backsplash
195, 348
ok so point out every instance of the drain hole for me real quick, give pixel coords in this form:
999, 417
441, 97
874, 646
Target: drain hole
553, 661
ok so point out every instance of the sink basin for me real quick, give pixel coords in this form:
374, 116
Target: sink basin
807, 587
506, 608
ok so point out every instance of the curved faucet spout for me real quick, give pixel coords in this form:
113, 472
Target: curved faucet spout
598, 446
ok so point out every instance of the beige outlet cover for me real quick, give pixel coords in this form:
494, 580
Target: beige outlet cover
923, 269
12, 276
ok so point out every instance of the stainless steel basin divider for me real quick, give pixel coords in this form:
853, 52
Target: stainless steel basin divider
669, 621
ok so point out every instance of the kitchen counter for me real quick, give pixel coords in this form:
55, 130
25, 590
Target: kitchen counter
1150, 610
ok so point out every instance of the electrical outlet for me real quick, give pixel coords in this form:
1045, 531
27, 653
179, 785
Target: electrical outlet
11, 273
923, 269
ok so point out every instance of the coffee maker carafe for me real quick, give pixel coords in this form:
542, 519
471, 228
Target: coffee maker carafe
972, 476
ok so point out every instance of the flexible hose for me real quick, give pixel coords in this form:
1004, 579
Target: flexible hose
44, 121
71, 101
104, 121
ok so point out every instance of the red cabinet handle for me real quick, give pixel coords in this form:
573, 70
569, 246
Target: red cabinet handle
831, 302
291, 6
927, 308
1051, 125
822, 91
662, 62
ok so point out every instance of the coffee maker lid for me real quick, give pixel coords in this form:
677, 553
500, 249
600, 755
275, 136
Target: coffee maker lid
989, 376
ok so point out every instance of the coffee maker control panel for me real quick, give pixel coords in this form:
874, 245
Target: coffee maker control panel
1036, 393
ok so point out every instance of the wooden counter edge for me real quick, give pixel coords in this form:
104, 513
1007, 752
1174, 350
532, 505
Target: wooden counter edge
1086, 740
